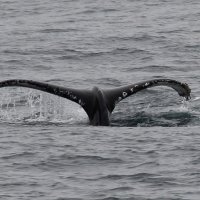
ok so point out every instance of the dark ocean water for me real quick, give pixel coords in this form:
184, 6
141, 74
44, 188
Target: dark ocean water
152, 148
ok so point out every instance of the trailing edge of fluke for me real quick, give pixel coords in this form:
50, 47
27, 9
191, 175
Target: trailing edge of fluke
99, 103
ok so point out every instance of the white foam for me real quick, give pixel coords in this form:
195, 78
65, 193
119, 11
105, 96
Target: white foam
196, 98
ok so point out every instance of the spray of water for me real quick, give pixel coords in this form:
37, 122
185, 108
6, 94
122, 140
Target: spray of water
185, 106
27, 106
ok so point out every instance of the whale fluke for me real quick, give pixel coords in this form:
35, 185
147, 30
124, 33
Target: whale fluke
114, 96
97, 103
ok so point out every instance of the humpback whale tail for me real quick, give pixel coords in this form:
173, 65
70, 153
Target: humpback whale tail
97, 103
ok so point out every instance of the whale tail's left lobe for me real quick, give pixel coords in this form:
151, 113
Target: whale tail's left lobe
85, 98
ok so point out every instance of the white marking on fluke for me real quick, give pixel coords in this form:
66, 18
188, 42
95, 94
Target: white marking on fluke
124, 94
80, 102
119, 99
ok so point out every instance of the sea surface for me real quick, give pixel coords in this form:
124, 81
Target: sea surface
48, 149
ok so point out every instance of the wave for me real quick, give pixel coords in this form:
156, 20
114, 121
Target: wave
64, 160
71, 198
136, 37
96, 10
116, 198
77, 55
138, 176
106, 82
65, 54
57, 30
18, 155
150, 68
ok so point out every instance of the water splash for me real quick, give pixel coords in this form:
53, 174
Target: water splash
196, 99
167, 113
22, 105
185, 106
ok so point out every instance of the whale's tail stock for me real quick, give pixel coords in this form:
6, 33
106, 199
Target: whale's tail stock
99, 103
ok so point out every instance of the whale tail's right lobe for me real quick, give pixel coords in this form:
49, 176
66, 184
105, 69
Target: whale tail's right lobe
114, 96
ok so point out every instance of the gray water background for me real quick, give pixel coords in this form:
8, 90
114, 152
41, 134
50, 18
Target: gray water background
48, 149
